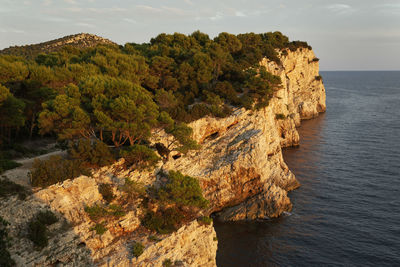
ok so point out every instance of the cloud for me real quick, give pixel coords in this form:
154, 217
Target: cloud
72, 2
341, 9
11, 30
83, 24
130, 20
218, 16
240, 14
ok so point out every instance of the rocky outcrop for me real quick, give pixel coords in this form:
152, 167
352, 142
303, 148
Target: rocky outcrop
240, 168
74, 242
240, 162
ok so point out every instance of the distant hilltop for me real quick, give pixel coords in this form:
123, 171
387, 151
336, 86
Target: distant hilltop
80, 40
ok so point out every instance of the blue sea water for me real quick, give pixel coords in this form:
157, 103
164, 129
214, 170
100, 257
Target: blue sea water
347, 211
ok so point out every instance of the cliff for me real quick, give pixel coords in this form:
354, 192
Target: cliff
240, 168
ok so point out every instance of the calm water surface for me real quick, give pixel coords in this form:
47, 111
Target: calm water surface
347, 211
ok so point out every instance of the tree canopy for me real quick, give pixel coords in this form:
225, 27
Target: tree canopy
119, 94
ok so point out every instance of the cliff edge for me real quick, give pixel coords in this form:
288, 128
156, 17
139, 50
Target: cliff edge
240, 168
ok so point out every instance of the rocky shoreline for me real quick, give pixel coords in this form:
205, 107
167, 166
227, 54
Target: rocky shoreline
240, 168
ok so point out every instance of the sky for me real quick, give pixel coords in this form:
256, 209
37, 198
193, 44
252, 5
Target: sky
345, 35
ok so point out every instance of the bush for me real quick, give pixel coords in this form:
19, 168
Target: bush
280, 116
133, 190
97, 212
5, 257
99, 228
46, 217
7, 164
137, 249
164, 221
182, 190
54, 170
139, 156
204, 220
8, 188
107, 192
167, 263
37, 233
94, 153
37, 230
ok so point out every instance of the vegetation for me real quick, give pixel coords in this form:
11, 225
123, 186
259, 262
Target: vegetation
7, 164
118, 94
167, 263
318, 78
178, 200
99, 228
137, 249
37, 228
139, 156
280, 116
55, 169
205, 220
107, 192
182, 190
92, 153
8, 188
164, 221
98, 212
5, 257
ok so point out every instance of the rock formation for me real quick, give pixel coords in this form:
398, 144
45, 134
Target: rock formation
240, 168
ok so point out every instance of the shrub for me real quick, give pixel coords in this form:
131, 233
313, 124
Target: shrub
46, 217
280, 116
167, 263
137, 249
94, 153
37, 233
182, 190
97, 212
54, 170
99, 228
7, 164
139, 156
37, 230
8, 188
107, 192
205, 220
5, 257
164, 221
133, 190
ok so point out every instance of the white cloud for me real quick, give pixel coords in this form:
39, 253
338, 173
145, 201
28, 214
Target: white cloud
341, 9
72, 2
218, 16
240, 14
130, 20
8, 30
83, 24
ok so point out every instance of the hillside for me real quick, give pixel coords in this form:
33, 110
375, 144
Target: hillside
80, 40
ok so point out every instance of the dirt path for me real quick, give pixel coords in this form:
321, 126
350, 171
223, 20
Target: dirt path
20, 175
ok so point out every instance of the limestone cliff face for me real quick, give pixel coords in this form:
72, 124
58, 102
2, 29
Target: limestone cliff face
240, 162
73, 242
240, 168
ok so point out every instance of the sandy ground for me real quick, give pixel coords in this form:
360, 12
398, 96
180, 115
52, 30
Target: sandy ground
20, 175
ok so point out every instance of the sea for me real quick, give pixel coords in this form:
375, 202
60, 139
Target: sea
347, 210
